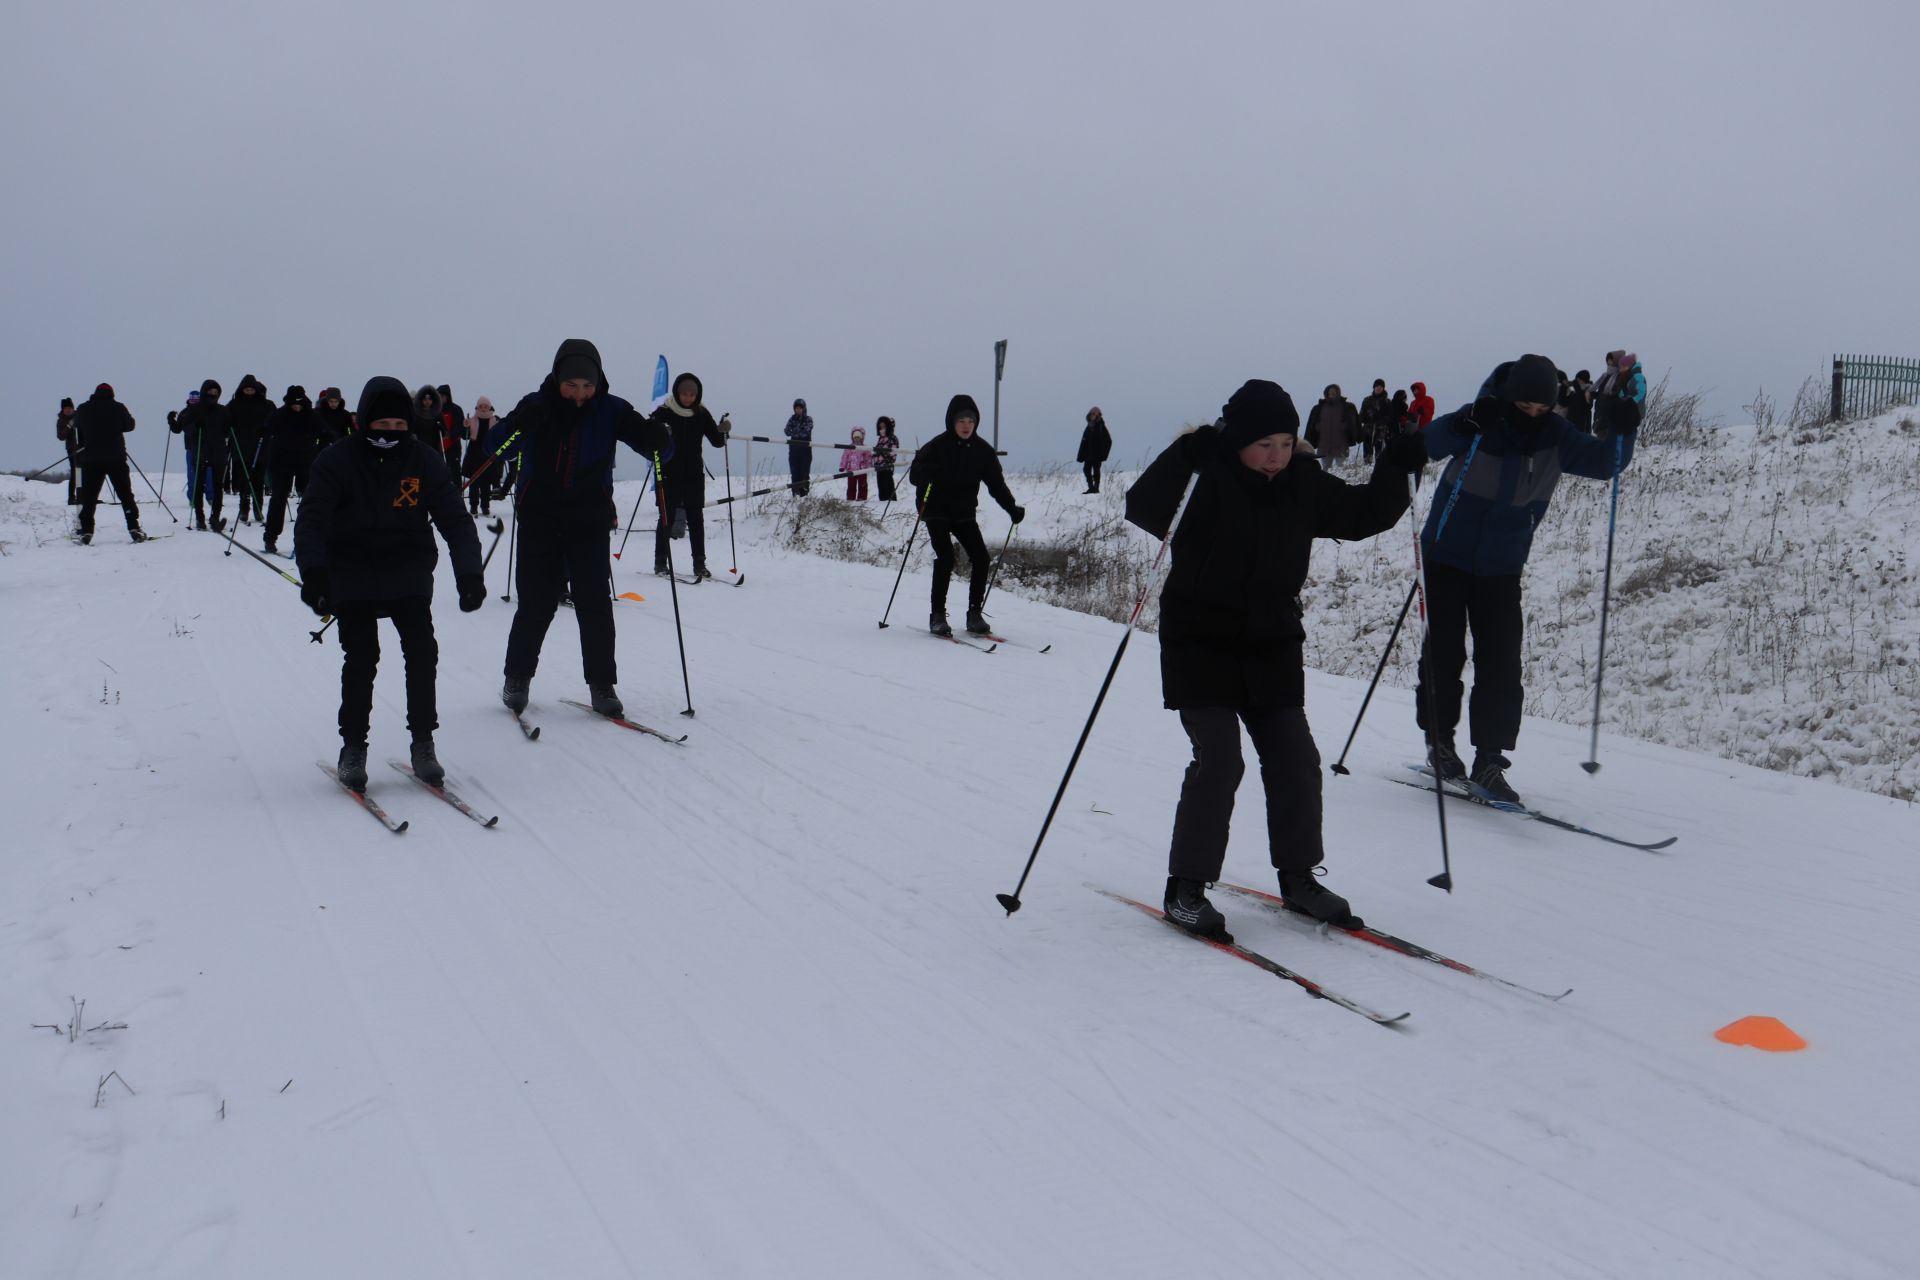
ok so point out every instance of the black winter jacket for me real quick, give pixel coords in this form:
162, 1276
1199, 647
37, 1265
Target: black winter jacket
207, 431
291, 437
956, 469
365, 521
686, 474
1230, 630
100, 429
248, 416
1096, 442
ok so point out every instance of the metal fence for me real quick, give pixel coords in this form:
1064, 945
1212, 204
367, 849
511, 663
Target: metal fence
1866, 385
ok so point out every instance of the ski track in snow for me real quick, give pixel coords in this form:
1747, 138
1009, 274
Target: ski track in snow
747, 1006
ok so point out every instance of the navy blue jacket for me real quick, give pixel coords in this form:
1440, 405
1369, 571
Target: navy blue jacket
1504, 488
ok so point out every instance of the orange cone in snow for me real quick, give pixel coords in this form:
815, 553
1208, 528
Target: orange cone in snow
1770, 1034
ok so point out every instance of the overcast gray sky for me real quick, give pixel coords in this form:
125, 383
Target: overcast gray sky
850, 202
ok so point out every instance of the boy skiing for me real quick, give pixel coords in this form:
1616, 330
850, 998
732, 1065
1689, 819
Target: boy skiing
946, 477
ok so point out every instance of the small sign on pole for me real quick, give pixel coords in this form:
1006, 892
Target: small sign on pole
999, 371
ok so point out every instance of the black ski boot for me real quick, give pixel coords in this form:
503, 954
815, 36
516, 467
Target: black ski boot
661, 569
701, 573
270, 548
352, 767
605, 700
426, 765
86, 537
219, 524
1186, 905
1490, 778
1304, 893
977, 623
138, 535
514, 693
199, 522
937, 623
1445, 761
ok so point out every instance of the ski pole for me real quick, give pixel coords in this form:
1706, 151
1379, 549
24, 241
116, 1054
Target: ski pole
233, 530
1340, 766
732, 544
673, 582
1592, 763
156, 493
497, 528
1445, 879
513, 535
50, 466
1011, 901
165, 455
637, 499
907, 551
994, 575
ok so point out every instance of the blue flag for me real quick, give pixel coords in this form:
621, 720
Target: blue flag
659, 385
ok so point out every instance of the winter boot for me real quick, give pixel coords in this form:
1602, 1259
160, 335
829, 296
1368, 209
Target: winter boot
1445, 761
1490, 778
137, 534
514, 693
1186, 905
937, 623
86, 537
977, 623
199, 522
426, 765
219, 524
701, 573
270, 548
605, 700
1304, 893
661, 569
353, 766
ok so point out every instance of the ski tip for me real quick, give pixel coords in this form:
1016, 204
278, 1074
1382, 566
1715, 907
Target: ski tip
993, 648
1442, 881
400, 827
533, 734
1591, 766
1009, 901
1661, 844
1046, 648
492, 822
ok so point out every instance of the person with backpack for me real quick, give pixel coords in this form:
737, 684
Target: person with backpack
565, 435
1505, 455
100, 429
1096, 445
364, 543
1232, 640
946, 477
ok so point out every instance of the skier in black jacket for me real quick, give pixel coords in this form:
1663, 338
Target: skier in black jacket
289, 441
207, 435
946, 477
685, 489
335, 422
1231, 639
247, 413
100, 429
1096, 443
564, 435
366, 552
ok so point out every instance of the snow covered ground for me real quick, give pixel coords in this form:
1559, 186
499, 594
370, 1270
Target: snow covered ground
747, 1007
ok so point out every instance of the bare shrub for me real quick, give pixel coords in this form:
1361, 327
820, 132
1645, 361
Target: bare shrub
1665, 571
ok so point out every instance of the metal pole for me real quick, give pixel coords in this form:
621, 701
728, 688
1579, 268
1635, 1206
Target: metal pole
999, 371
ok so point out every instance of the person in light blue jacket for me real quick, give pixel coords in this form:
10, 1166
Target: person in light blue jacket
1506, 453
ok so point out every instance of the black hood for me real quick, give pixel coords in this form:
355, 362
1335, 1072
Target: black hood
210, 392
699, 392
962, 407
255, 383
426, 400
384, 398
572, 352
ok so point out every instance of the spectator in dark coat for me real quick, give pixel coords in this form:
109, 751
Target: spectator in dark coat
565, 434
1231, 636
886, 451
683, 494
335, 422
248, 419
800, 448
428, 424
1096, 445
1577, 405
1332, 425
946, 477
1507, 452
291, 439
1376, 419
100, 429
364, 543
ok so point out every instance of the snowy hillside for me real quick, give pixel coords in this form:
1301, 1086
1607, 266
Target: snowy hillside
747, 1007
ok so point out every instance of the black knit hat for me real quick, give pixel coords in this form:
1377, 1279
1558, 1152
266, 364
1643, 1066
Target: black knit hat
384, 398
1257, 410
962, 407
1531, 380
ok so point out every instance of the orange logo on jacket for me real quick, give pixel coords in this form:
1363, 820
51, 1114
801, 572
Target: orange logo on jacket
409, 493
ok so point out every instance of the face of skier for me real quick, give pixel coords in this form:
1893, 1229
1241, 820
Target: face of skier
385, 433
1268, 455
685, 395
578, 390
333, 402
964, 427
1531, 408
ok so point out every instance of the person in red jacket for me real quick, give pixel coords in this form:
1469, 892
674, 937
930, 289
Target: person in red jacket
1421, 408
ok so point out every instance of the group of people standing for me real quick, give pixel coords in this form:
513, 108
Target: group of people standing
856, 460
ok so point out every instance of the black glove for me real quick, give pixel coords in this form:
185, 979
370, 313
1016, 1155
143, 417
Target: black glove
1018, 512
173, 416
314, 590
1405, 452
473, 591
1482, 415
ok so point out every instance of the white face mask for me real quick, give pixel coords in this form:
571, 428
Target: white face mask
382, 441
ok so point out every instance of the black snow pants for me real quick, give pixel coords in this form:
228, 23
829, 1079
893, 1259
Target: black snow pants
1289, 774
288, 478
91, 478
571, 557
360, 657
799, 466
942, 534
1458, 601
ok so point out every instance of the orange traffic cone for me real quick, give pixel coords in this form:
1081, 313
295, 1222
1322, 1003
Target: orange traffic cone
1770, 1034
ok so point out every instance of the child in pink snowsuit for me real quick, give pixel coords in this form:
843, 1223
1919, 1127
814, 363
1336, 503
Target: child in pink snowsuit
859, 460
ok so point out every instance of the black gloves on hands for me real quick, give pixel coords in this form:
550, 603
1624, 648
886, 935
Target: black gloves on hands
314, 592
1484, 413
473, 591
1018, 512
1406, 452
